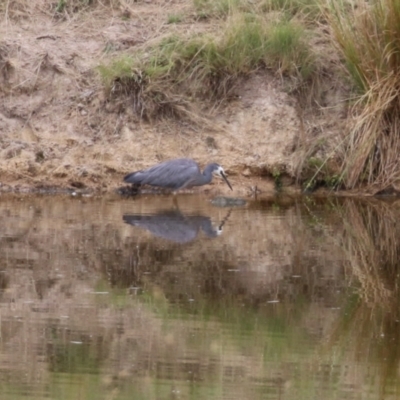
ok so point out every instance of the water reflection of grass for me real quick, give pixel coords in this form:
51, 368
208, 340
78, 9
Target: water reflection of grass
265, 345
68, 386
367, 332
372, 244
274, 328
228, 338
73, 357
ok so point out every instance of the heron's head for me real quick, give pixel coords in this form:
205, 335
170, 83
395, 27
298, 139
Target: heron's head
219, 171
218, 231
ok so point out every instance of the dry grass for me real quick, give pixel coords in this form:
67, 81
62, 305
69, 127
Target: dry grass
308, 9
15, 10
368, 35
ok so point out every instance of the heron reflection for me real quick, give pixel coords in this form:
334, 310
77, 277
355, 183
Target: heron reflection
175, 226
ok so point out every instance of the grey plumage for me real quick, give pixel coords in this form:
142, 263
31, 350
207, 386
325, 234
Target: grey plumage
173, 225
181, 173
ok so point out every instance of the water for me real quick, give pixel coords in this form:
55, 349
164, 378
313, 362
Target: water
163, 298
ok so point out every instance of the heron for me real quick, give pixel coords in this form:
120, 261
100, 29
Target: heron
181, 173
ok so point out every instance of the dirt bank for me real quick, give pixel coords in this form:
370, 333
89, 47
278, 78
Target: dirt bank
59, 129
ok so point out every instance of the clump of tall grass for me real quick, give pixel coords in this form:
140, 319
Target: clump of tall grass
288, 50
368, 36
145, 83
205, 66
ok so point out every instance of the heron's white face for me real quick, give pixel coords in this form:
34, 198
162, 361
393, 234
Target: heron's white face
219, 172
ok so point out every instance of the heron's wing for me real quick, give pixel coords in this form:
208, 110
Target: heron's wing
171, 174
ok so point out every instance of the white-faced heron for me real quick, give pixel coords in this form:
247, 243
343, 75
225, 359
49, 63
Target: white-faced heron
182, 173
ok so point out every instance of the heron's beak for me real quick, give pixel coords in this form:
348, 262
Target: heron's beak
225, 179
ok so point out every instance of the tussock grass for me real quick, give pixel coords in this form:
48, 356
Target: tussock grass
288, 49
180, 68
368, 36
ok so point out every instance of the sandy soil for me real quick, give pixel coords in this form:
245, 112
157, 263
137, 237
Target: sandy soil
59, 130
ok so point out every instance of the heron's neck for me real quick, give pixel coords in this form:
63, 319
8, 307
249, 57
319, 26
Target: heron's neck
207, 174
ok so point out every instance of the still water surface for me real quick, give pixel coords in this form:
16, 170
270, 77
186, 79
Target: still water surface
163, 298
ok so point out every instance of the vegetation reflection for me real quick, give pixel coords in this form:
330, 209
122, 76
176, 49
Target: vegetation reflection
297, 298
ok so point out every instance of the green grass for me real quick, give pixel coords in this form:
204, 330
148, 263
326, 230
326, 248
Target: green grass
203, 65
121, 68
288, 50
61, 6
244, 44
174, 18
